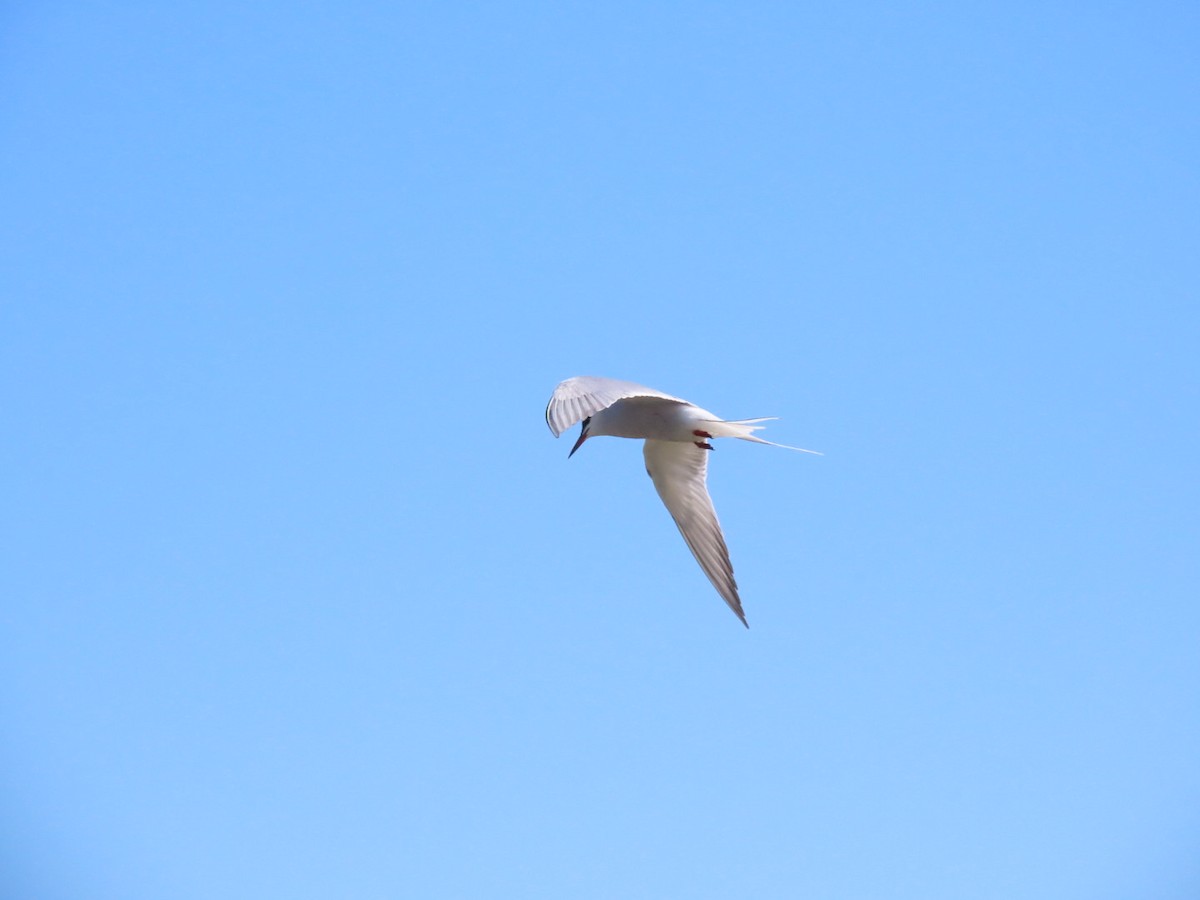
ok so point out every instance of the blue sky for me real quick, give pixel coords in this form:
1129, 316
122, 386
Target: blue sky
302, 599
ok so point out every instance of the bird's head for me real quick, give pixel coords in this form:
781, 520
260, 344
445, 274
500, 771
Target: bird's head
583, 436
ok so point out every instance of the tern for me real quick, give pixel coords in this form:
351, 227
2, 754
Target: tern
677, 435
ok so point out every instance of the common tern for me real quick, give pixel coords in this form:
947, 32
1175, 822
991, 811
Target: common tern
677, 435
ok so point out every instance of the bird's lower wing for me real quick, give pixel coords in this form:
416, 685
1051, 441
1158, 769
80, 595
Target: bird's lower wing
678, 471
577, 398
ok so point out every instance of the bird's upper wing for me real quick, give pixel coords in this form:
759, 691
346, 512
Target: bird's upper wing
678, 470
577, 398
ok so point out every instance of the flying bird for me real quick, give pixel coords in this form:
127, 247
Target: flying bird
677, 435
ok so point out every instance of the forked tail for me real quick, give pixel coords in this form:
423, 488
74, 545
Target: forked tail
744, 429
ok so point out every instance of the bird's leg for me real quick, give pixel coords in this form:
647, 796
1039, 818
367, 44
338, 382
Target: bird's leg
703, 445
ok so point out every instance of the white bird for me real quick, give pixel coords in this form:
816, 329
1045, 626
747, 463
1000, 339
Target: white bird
677, 435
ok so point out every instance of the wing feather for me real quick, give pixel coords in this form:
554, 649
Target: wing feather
679, 472
577, 398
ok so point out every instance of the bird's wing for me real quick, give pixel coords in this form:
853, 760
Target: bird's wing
678, 470
577, 398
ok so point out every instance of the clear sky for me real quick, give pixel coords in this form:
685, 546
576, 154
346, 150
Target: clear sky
301, 599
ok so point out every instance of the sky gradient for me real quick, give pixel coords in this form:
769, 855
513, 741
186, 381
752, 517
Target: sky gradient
302, 598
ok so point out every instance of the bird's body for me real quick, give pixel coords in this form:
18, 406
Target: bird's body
651, 418
677, 435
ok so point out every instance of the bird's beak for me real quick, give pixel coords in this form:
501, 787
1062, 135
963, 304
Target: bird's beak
583, 436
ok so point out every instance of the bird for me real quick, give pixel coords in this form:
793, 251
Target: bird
678, 436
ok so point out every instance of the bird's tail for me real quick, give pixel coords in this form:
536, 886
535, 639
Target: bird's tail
744, 429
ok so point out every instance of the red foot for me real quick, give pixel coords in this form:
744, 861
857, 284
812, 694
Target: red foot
703, 434
703, 445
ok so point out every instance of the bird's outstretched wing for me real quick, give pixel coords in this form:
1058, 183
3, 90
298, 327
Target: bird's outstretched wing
678, 470
577, 398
